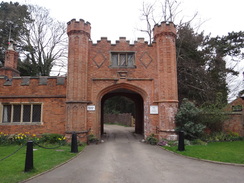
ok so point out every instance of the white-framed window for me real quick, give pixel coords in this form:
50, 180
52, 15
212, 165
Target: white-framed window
21, 113
123, 59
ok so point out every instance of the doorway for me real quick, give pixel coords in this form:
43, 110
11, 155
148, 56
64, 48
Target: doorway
135, 105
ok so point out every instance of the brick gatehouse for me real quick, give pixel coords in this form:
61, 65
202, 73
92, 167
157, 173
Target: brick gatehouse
144, 73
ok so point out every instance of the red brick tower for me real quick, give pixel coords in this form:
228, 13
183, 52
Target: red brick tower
79, 34
165, 35
11, 61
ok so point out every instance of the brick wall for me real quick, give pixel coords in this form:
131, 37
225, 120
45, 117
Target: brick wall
235, 122
48, 91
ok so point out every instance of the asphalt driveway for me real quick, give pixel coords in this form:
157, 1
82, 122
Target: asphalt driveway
123, 158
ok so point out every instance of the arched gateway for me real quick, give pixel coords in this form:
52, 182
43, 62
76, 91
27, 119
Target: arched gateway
144, 73
134, 94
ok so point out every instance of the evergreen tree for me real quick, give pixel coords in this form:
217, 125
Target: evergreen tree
190, 65
201, 60
13, 18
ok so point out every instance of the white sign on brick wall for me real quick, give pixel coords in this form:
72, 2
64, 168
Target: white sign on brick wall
91, 108
153, 109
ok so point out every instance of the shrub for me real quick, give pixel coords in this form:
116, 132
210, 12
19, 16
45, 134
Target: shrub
20, 138
52, 138
221, 136
163, 143
213, 115
92, 139
151, 139
187, 120
4, 138
187, 142
172, 143
166, 142
198, 142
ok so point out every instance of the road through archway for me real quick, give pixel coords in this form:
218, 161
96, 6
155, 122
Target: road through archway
123, 158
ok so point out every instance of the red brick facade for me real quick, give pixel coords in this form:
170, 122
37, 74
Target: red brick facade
235, 121
48, 91
144, 73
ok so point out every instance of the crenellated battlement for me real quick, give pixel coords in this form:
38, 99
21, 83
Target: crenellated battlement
122, 40
28, 80
78, 27
164, 28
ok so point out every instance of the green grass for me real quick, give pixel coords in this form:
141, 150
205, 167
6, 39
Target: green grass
229, 152
12, 168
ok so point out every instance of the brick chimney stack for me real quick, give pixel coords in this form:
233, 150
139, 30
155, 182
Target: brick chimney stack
11, 62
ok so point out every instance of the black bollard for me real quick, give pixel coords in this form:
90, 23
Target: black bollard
74, 145
29, 156
181, 144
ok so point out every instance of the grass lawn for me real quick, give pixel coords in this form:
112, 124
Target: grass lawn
230, 152
12, 168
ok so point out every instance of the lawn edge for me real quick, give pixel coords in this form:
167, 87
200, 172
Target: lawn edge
205, 160
57, 166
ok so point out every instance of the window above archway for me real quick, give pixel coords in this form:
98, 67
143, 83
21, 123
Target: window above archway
122, 60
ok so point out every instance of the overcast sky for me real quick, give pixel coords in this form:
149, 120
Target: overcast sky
121, 18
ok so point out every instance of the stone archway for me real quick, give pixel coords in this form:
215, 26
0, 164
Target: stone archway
139, 107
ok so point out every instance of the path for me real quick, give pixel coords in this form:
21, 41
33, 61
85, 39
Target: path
122, 158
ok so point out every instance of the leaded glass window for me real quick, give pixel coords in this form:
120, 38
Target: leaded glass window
122, 59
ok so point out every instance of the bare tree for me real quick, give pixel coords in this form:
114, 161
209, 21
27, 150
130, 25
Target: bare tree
168, 12
147, 15
46, 45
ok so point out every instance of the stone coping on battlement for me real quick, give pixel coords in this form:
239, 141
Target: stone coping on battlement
26, 80
31, 96
123, 40
34, 77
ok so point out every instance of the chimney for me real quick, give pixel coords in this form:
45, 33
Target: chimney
11, 62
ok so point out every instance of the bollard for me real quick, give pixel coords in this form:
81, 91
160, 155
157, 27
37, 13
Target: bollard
74, 145
181, 144
29, 156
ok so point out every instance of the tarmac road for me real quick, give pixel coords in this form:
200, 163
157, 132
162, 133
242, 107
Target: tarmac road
123, 158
